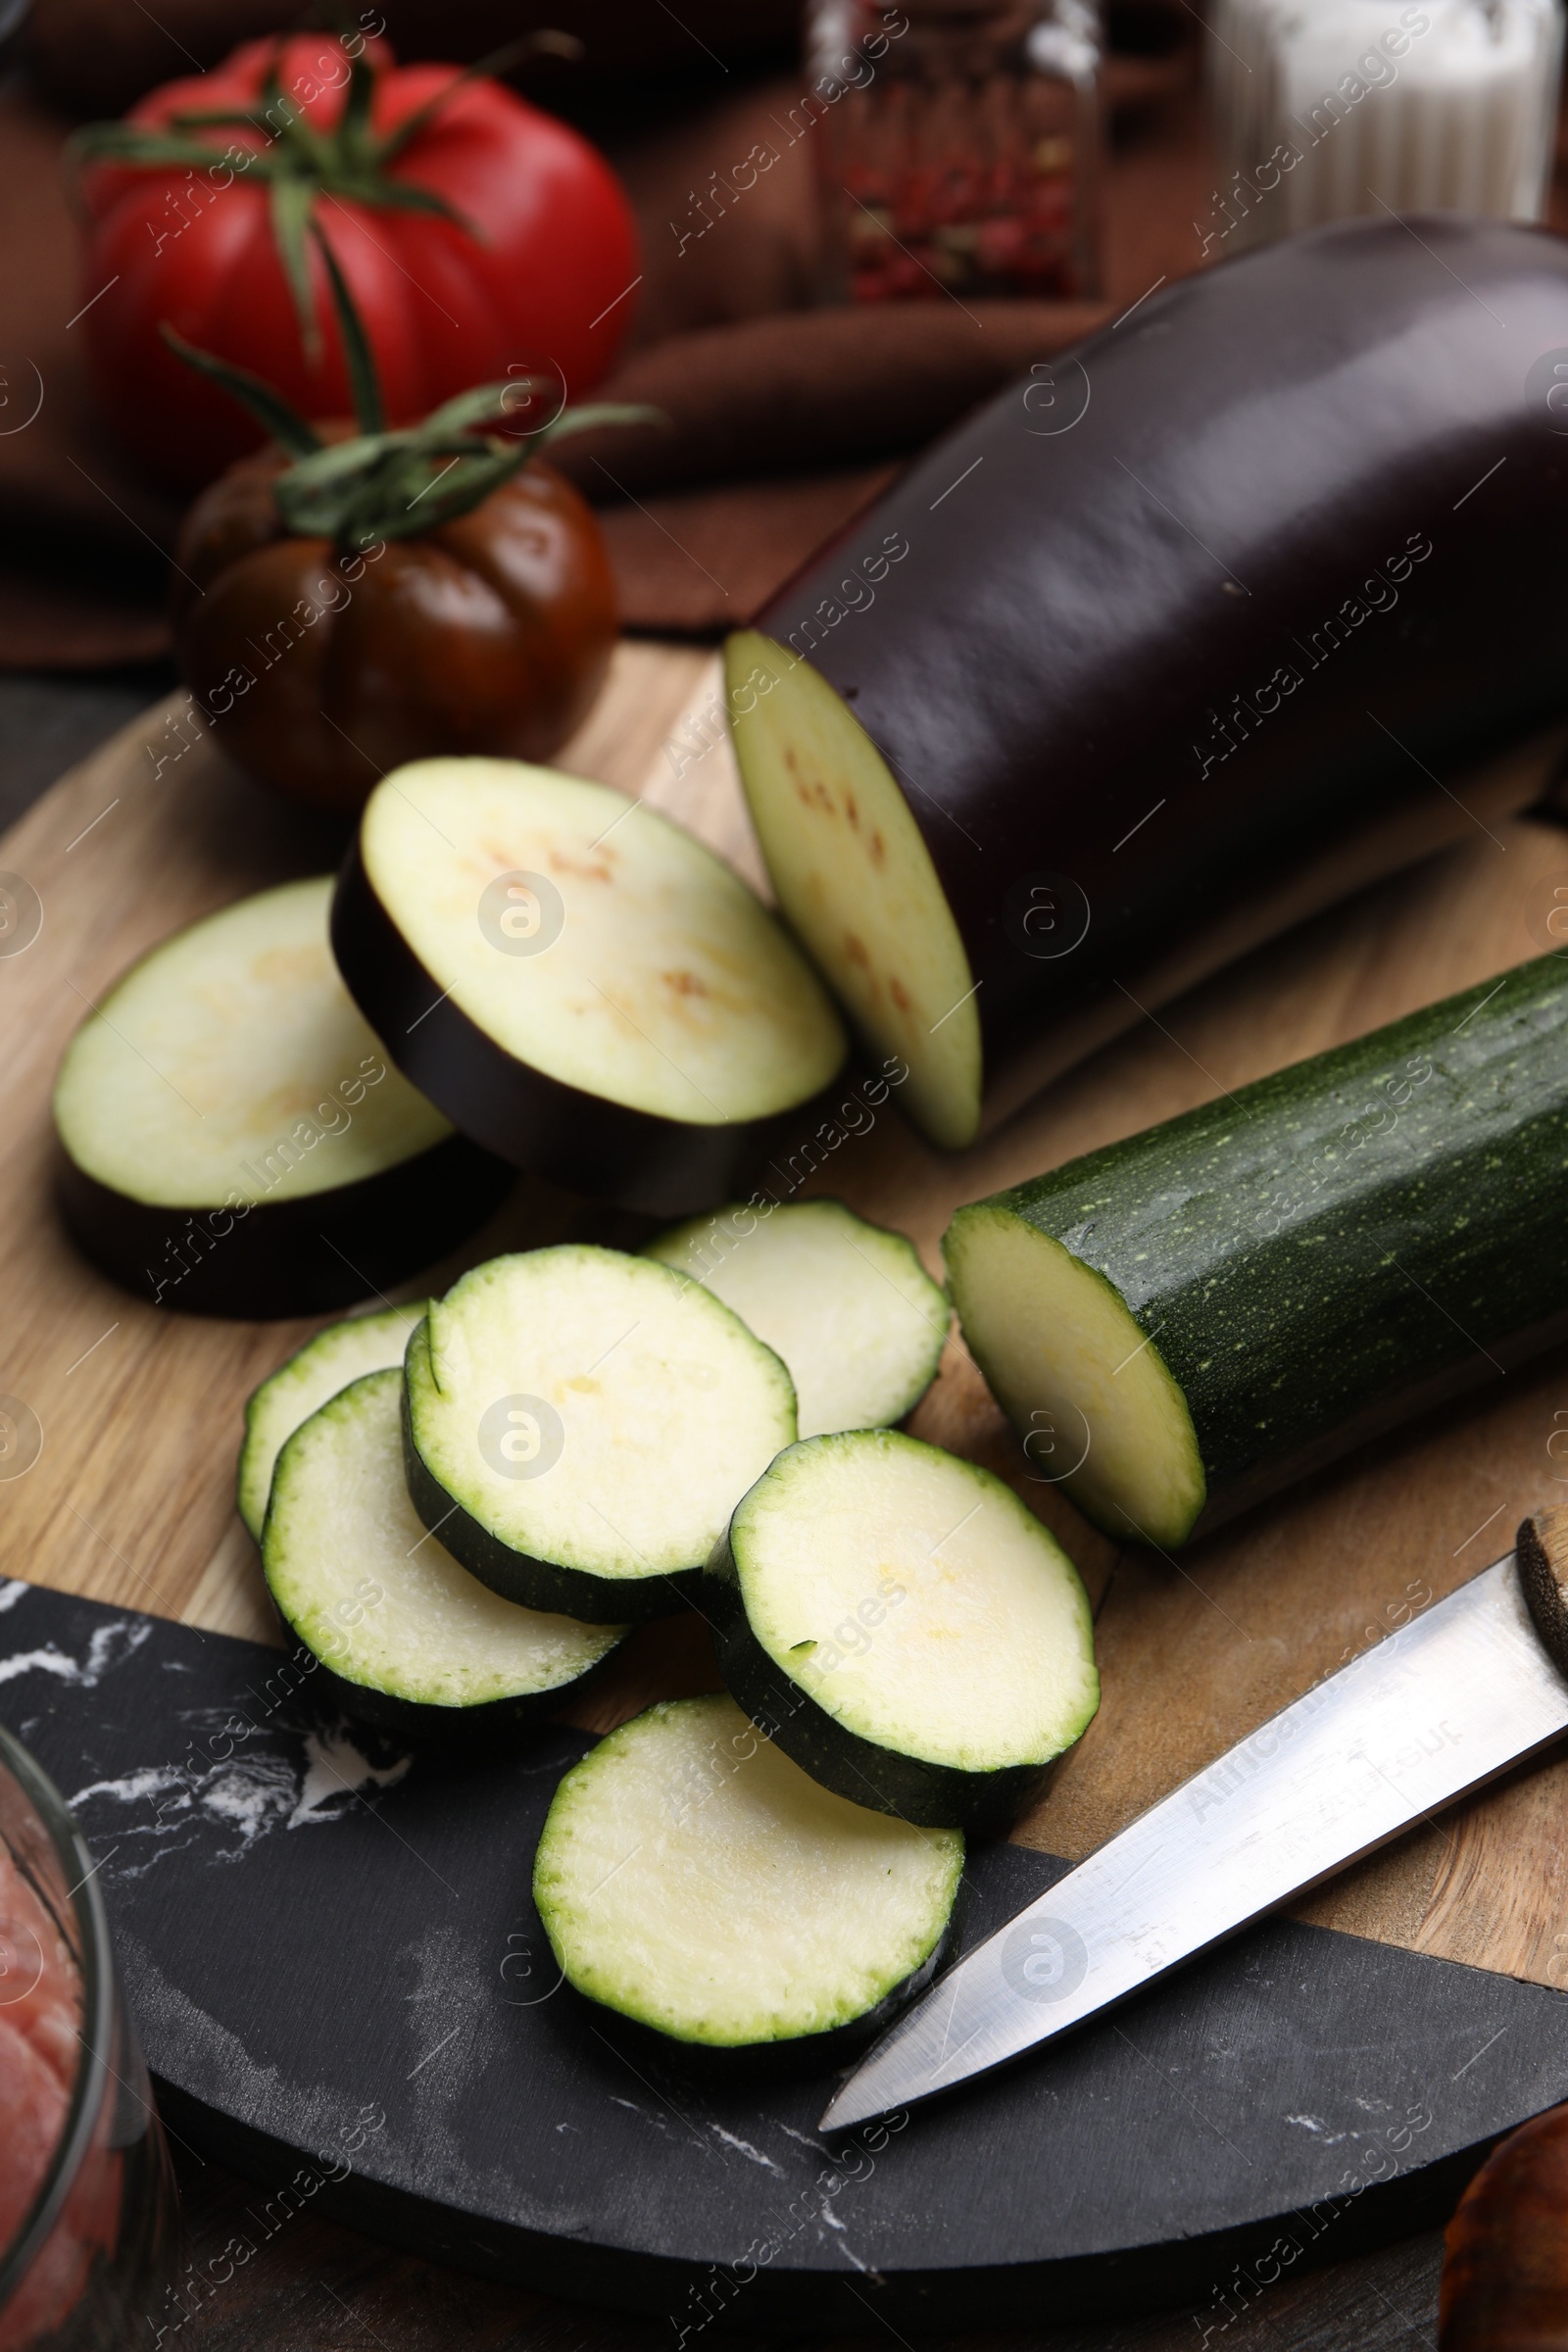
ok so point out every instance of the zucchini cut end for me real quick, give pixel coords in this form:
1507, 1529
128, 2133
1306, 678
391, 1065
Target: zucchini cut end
591, 1418
383, 1606
1084, 1385
341, 1353
856, 879
846, 1304
695, 1880
905, 1628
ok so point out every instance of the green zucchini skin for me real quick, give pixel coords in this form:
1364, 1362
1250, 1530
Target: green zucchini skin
337, 1508
697, 1887
795, 2057
931, 1796
532, 1582
1345, 1244
494, 1726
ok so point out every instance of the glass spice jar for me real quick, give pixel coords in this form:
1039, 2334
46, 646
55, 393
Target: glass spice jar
87, 2210
957, 147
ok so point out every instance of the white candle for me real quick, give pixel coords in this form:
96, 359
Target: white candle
1329, 108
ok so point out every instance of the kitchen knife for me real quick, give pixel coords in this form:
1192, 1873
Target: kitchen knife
1462, 1693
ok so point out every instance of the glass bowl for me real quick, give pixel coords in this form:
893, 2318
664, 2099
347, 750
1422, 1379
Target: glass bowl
88, 2209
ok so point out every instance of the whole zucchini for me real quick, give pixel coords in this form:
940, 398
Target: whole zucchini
1172, 643
1183, 1322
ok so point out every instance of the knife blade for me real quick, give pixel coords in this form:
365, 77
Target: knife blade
1477, 1683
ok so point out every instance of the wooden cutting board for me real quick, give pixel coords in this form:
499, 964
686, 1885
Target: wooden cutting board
130, 1501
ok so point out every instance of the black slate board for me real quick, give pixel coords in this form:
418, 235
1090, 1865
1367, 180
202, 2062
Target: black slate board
340, 1982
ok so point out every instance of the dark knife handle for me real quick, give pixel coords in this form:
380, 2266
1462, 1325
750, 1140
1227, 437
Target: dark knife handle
1540, 1548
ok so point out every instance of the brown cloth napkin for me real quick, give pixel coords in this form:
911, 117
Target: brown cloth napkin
789, 400
784, 420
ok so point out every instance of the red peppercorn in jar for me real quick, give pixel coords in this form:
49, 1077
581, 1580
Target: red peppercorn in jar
957, 146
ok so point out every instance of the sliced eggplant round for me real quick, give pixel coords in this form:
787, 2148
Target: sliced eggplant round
236, 1142
846, 1304
343, 1352
692, 1878
580, 1424
904, 1627
581, 985
411, 1641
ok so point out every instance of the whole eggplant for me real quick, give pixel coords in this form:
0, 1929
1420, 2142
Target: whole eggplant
1258, 595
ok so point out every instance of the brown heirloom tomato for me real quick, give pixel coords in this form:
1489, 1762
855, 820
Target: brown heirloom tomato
321, 666
1505, 2267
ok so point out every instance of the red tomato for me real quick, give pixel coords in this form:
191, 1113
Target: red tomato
544, 286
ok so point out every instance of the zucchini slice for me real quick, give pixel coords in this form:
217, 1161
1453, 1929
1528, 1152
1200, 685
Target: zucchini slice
692, 1878
344, 1352
581, 985
904, 1627
1180, 1323
411, 1639
848, 1306
236, 1142
579, 1425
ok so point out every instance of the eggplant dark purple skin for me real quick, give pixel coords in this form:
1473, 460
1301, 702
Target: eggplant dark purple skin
1201, 622
303, 1256
631, 1158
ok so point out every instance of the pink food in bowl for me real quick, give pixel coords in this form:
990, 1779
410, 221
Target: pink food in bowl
40, 2053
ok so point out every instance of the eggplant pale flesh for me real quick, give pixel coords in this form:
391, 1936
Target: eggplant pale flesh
234, 1141
1253, 599
579, 984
